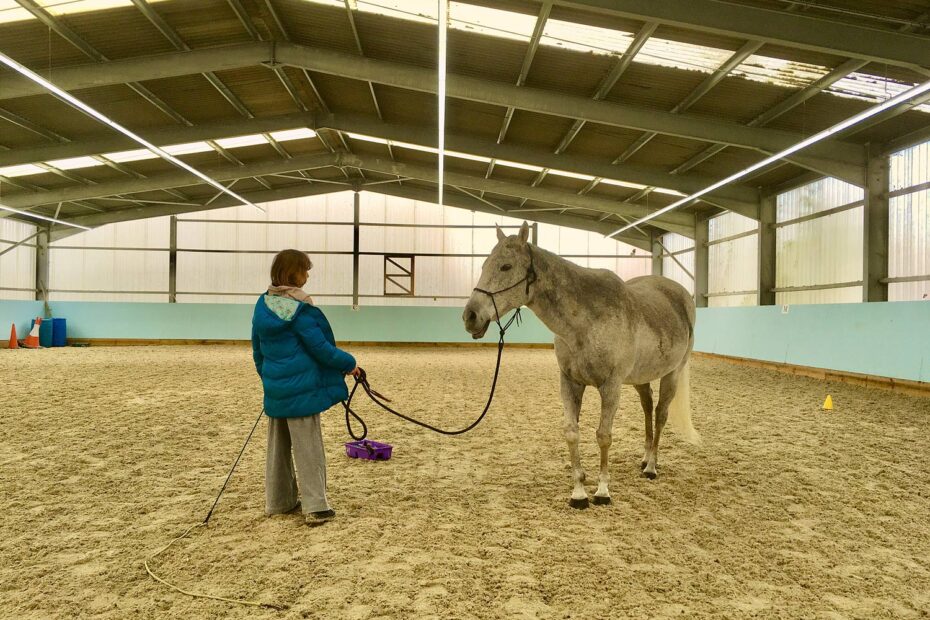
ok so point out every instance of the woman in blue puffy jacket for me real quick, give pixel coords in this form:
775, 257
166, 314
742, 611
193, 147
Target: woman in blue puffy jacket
303, 374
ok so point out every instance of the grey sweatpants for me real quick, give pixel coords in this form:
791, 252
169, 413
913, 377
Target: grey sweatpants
304, 437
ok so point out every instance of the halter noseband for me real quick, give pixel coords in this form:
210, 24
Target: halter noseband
529, 278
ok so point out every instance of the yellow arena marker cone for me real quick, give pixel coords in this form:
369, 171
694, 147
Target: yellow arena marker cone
828, 404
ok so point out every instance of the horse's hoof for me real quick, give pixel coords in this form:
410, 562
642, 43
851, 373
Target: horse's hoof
650, 474
602, 501
578, 504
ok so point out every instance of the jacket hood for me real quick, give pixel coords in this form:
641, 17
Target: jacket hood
274, 314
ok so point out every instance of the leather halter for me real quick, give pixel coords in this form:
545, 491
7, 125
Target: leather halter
529, 278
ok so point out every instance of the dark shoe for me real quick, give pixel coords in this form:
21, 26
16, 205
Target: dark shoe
321, 517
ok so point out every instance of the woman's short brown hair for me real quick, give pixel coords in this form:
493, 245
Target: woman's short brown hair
287, 265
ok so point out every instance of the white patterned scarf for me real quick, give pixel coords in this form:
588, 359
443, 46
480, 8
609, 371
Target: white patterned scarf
293, 292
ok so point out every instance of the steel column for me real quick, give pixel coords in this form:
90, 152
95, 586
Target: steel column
42, 264
767, 232
656, 255
701, 262
875, 229
356, 239
173, 260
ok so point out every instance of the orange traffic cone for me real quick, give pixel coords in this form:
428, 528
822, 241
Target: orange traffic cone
32, 340
13, 343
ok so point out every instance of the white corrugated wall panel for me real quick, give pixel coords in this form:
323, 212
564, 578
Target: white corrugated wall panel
910, 167
628, 262
909, 245
674, 242
733, 265
909, 226
73, 268
17, 267
826, 250
201, 275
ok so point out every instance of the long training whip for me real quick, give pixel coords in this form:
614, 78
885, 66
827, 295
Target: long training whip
204, 523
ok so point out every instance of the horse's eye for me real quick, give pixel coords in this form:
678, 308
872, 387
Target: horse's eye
506, 267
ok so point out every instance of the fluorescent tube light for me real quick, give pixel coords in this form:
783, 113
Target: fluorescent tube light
817, 137
86, 109
41, 217
441, 139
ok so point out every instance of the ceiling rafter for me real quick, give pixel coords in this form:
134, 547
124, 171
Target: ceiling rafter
740, 198
65, 32
842, 159
798, 30
179, 44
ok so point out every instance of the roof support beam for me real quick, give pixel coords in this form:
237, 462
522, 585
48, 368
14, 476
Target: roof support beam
538, 29
739, 198
111, 142
167, 180
797, 30
679, 222
423, 80
298, 191
607, 84
558, 104
683, 223
141, 213
461, 201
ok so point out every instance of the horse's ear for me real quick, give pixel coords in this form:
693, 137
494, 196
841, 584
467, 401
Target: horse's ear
524, 232
500, 233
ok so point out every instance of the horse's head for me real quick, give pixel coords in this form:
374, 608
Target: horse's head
505, 278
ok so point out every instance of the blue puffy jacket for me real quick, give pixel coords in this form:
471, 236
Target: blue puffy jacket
296, 356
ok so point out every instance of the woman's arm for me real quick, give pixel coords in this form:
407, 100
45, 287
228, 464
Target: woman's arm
257, 356
322, 351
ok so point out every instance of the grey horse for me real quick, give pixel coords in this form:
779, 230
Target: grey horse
607, 333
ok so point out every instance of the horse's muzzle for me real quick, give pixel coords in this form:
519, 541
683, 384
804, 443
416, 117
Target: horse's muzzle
472, 325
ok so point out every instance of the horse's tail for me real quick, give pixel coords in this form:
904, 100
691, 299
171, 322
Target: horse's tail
679, 411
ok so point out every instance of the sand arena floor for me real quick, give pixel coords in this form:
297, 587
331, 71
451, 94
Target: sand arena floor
785, 512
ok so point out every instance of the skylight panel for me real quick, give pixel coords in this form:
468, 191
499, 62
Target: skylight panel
468, 156
779, 72
240, 141
623, 184
188, 148
516, 164
21, 170
871, 88
74, 163
133, 155
10, 11
584, 38
300, 133
364, 138
570, 175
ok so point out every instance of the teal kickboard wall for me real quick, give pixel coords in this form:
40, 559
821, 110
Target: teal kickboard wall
882, 339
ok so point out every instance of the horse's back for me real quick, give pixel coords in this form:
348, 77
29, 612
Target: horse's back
662, 297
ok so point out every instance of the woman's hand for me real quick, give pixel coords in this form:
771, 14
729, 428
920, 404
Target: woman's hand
356, 372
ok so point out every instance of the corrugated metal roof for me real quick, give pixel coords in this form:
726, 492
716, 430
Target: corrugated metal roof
669, 67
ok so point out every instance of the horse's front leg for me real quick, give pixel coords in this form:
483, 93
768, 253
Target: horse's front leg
610, 400
572, 394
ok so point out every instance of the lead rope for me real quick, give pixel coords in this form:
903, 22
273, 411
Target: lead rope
380, 399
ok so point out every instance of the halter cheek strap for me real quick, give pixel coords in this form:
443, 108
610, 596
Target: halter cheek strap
529, 278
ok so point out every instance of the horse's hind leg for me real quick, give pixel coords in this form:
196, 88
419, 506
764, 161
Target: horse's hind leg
571, 402
667, 388
645, 399
610, 399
